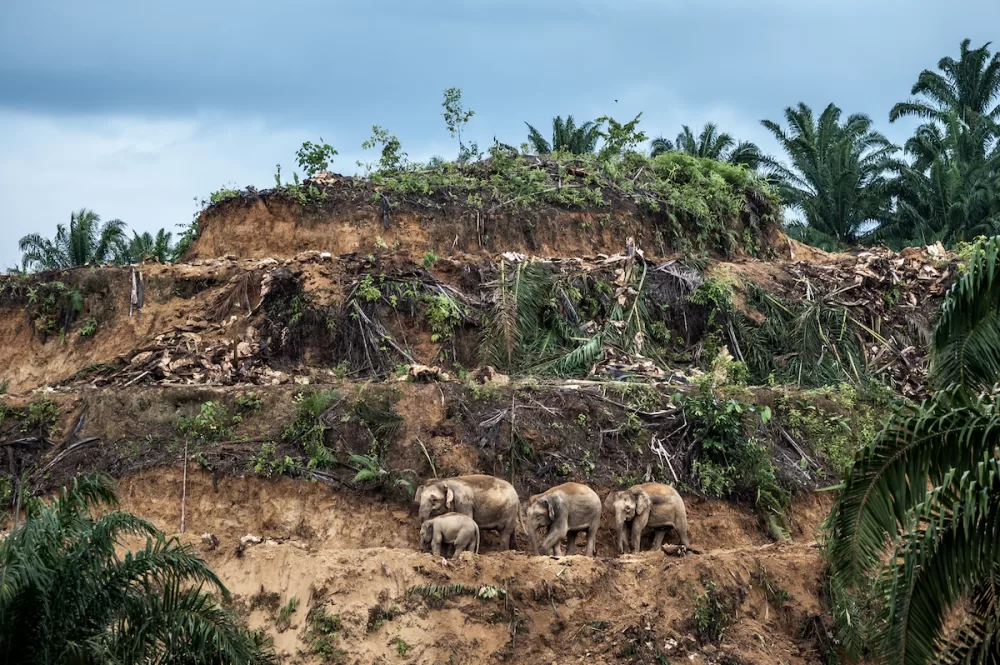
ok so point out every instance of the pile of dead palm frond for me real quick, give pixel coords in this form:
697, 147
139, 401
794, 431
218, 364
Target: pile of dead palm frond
537, 321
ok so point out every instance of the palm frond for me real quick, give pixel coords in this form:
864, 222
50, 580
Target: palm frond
891, 475
537, 142
660, 145
580, 359
967, 334
67, 595
520, 294
952, 546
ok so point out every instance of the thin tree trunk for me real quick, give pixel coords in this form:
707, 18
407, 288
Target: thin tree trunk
184, 487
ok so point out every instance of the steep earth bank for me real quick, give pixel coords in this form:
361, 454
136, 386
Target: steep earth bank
352, 560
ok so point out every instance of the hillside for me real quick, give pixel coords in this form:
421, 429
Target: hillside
413, 329
575, 205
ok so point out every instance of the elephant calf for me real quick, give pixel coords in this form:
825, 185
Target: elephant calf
653, 505
460, 531
566, 510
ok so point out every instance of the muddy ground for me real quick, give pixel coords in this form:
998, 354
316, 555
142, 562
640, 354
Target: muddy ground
355, 558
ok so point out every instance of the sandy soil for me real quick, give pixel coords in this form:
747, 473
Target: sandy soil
355, 558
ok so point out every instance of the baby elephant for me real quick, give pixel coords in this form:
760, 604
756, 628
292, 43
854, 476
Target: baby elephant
653, 505
566, 510
455, 529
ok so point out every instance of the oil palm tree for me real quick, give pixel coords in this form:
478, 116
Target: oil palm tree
940, 195
917, 523
838, 174
566, 137
145, 246
68, 596
950, 189
86, 240
710, 144
968, 88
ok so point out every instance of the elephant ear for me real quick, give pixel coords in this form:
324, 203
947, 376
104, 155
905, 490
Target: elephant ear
420, 491
609, 503
555, 506
449, 500
641, 502
425, 529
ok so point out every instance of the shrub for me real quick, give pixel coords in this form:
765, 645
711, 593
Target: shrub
284, 618
247, 403
53, 306
89, 328
211, 425
307, 430
322, 634
443, 315
265, 462
315, 157
730, 462
40, 417
714, 613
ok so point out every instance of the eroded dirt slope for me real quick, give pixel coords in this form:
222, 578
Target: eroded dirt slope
353, 559
270, 321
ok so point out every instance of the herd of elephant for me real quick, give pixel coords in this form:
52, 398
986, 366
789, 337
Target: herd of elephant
454, 510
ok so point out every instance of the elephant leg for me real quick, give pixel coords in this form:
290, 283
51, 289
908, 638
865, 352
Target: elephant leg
592, 538
508, 535
557, 531
554, 537
436, 543
571, 542
658, 538
638, 525
463, 544
622, 542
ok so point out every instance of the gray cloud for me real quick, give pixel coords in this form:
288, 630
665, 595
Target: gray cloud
134, 108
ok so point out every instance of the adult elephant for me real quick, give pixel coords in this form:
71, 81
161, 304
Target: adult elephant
491, 502
564, 510
649, 505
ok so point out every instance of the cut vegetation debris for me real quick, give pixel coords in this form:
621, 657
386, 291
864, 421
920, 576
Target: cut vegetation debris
622, 317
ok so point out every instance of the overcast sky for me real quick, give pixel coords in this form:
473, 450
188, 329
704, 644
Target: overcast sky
134, 109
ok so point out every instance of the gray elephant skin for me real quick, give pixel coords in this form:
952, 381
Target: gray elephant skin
564, 511
647, 506
458, 531
490, 501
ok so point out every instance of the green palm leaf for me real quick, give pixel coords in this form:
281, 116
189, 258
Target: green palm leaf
85, 241
967, 335
952, 547
838, 173
943, 545
891, 476
68, 596
520, 294
566, 137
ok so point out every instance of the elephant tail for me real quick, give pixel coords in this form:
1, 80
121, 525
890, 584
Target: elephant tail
681, 526
477, 539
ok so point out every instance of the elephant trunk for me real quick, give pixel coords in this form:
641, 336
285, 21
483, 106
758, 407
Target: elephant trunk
620, 531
